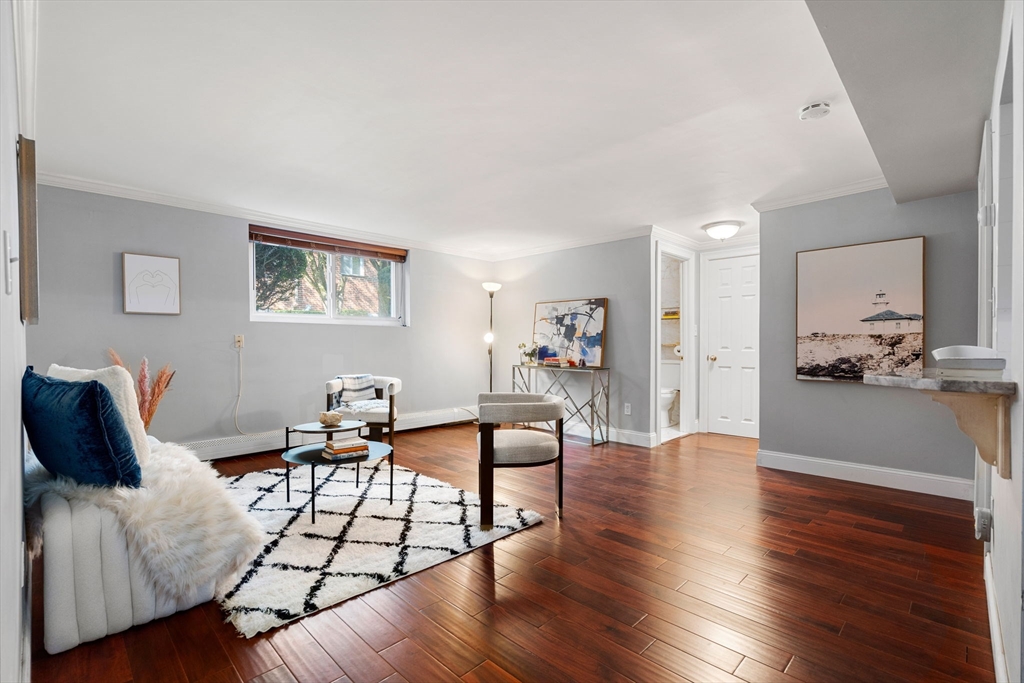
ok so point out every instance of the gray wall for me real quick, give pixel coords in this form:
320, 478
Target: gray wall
887, 427
440, 357
620, 271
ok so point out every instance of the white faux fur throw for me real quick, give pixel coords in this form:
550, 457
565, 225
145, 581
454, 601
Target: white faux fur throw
182, 526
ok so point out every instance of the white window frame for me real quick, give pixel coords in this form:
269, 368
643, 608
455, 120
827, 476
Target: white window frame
399, 301
341, 265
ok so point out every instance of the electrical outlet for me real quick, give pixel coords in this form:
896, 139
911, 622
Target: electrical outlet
629, 409
239, 341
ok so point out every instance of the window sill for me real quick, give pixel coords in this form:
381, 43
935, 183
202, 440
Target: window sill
323, 320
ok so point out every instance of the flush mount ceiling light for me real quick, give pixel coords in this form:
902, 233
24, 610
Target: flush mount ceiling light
816, 110
722, 230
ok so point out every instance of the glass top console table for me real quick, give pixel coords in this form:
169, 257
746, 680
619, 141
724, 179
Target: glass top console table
593, 413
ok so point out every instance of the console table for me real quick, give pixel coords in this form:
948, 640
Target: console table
546, 379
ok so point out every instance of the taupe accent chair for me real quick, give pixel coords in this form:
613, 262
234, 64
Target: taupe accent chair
517, 447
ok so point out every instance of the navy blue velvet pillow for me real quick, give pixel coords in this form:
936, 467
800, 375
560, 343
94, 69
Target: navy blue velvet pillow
77, 431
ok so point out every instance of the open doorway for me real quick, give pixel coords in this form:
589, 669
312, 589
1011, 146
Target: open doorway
675, 393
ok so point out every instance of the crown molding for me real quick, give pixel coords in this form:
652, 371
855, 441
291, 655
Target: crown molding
275, 220
675, 238
702, 246
840, 191
732, 243
269, 219
574, 244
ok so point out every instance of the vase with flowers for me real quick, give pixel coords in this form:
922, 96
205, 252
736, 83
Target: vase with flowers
150, 390
528, 353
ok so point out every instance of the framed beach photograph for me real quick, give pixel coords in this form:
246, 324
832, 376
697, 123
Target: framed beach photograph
151, 284
573, 330
860, 310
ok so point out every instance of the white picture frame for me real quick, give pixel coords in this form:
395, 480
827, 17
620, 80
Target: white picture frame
151, 285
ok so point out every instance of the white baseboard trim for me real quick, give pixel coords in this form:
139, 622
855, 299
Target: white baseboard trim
995, 630
626, 436
904, 480
244, 444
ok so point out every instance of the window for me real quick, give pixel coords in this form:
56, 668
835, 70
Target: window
897, 326
351, 265
872, 325
309, 278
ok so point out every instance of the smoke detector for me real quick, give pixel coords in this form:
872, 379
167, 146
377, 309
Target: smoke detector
817, 110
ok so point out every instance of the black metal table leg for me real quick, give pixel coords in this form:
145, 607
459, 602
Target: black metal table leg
312, 490
357, 475
391, 463
287, 482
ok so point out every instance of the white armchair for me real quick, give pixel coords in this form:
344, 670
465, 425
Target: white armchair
517, 447
377, 413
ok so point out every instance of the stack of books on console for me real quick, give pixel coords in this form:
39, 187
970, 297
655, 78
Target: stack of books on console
968, 363
346, 448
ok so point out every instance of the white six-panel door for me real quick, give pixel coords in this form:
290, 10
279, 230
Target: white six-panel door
732, 300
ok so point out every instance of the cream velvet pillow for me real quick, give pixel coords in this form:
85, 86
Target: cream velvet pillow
122, 387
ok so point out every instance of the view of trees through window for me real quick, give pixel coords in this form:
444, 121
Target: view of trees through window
317, 283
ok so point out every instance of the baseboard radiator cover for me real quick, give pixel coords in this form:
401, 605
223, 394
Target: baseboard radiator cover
904, 480
258, 442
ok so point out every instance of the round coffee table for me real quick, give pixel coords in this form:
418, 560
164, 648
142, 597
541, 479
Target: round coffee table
312, 455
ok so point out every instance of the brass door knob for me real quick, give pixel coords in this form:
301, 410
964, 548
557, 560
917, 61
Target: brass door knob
712, 358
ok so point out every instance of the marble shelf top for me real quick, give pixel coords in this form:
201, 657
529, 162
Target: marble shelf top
929, 382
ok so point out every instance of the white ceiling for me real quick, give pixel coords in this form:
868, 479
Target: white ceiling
486, 128
920, 75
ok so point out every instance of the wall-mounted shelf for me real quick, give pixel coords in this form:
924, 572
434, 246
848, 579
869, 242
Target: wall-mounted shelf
981, 407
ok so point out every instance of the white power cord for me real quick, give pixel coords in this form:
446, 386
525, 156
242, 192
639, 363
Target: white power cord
238, 399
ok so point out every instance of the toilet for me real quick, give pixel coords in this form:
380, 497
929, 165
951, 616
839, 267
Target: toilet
667, 397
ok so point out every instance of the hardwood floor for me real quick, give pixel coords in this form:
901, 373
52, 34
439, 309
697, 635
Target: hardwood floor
685, 562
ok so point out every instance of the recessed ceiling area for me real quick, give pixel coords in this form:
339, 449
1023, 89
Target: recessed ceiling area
480, 128
916, 73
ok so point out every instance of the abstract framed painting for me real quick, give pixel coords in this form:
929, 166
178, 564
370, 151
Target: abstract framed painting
151, 284
860, 310
573, 330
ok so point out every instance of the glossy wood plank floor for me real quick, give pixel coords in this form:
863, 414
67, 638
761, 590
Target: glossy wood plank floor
685, 562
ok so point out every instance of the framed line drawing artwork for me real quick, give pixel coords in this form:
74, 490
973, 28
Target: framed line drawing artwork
151, 284
860, 310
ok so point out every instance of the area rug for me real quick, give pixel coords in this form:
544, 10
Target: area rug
359, 541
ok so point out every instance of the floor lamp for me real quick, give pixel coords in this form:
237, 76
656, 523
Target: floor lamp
490, 288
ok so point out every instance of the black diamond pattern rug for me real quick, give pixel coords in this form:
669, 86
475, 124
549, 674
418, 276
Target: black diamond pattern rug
359, 541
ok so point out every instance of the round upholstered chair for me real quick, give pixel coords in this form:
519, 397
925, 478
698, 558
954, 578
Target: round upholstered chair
369, 398
517, 447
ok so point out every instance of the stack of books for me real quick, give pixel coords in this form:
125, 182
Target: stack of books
346, 448
557, 362
986, 374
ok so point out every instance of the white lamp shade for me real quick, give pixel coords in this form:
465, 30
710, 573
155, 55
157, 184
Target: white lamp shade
489, 337
722, 230
492, 286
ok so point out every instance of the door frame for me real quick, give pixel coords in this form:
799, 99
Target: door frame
664, 245
706, 257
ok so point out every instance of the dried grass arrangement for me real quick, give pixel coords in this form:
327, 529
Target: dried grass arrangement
150, 391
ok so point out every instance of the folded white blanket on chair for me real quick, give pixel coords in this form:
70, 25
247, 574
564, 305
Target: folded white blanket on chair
182, 527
